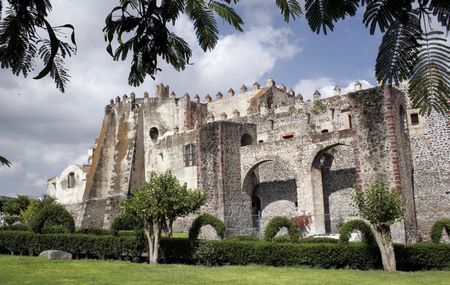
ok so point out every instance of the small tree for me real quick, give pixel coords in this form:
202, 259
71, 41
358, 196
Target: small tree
161, 201
382, 208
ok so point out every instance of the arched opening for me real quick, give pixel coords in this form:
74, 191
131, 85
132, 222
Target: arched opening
154, 133
246, 140
71, 180
324, 131
333, 177
272, 191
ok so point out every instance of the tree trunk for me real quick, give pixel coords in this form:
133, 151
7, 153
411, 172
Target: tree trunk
386, 246
170, 230
153, 234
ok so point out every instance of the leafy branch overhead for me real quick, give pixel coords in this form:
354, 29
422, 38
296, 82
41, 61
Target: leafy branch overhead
410, 49
22, 41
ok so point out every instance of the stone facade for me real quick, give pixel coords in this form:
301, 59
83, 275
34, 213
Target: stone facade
265, 152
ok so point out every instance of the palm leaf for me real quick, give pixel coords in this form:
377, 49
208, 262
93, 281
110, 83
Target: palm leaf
429, 86
204, 23
321, 14
4, 161
227, 13
289, 8
398, 51
441, 9
384, 13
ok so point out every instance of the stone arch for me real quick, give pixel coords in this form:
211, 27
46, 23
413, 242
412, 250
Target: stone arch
246, 139
333, 175
271, 187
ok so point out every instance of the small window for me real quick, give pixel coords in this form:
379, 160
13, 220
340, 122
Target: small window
324, 131
261, 141
154, 133
190, 158
71, 180
350, 125
246, 140
332, 113
414, 119
308, 118
290, 136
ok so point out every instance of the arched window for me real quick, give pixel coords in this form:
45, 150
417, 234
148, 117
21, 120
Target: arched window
246, 140
189, 153
71, 180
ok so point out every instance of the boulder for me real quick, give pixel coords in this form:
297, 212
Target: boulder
56, 254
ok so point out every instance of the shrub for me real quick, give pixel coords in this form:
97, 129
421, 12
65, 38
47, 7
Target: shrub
17, 227
203, 220
52, 215
125, 221
351, 226
10, 220
317, 240
93, 231
276, 224
56, 229
438, 227
422, 256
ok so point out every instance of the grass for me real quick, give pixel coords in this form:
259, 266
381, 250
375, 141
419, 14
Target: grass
36, 270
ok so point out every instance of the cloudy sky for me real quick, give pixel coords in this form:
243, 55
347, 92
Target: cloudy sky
42, 130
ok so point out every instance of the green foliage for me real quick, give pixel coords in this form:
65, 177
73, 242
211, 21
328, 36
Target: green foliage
9, 220
55, 229
438, 227
324, 255
25, 34
52, 215
17, 227
27, 214
93, 231
16, 205
422, 256
125, 221
203, 220
276, 224
357, 225
379, 205
319, 107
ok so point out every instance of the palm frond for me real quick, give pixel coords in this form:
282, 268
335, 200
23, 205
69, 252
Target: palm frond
4, 161
227, 13
429, 87
398, 51
289, 9
57, 70
384, 13
441, 9
322, 14
204, 23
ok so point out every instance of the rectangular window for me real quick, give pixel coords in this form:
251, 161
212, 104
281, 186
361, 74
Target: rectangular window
189, 154
414, 119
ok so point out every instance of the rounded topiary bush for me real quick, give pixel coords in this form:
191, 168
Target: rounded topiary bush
52, 215
125, 222
276, 224
203, 220
436, 230
357, 225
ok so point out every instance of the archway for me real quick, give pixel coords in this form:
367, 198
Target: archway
333, 176
272, 190
246, 140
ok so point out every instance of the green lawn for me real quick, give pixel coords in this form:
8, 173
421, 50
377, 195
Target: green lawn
36, 270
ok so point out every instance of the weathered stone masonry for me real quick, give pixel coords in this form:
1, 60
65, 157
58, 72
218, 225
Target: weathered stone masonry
265, 152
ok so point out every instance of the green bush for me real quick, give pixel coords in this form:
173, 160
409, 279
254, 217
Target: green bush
10, 220
56, 229
436, 230
324, 255
203, 220
249, 237
17, 227
125, 221
422, 256
52, 215
353, 225
317, 240
276, 224
93, 231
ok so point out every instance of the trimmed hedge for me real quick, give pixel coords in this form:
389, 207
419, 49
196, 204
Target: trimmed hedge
52, 215
276, 224
353, 225
436, 230
203, 220
17, 227
93, 231
125, 221
180, 250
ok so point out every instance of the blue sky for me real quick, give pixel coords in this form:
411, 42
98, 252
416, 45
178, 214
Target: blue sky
42, 130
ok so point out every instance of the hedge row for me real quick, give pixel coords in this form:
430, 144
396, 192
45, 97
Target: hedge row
181, 250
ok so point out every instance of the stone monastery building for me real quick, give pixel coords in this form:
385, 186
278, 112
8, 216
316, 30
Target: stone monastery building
265, 152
